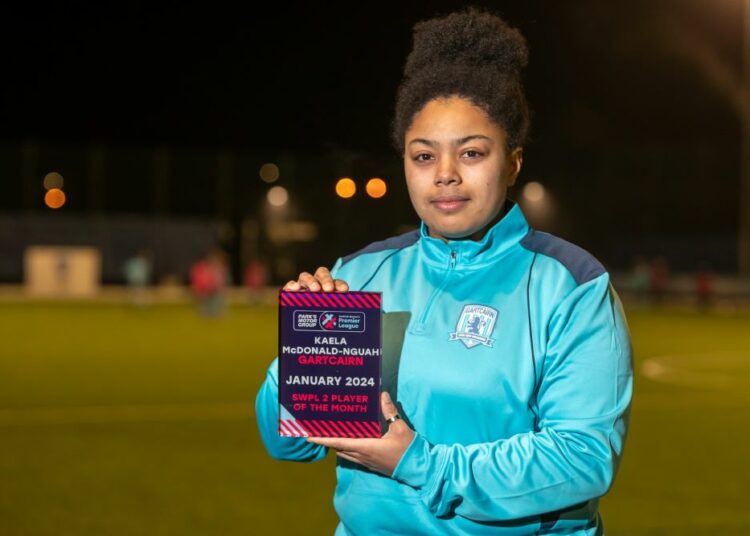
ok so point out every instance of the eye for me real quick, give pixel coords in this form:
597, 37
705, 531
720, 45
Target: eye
422, 157
473, 153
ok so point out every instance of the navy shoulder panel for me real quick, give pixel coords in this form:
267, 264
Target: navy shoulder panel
395, 242
582, 265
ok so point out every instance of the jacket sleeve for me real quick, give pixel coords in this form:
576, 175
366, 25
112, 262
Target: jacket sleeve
267, 415
583, 407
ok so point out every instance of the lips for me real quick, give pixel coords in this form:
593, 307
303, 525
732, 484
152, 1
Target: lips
449, 203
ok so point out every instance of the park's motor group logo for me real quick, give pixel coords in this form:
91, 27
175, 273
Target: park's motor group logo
353, 322
475, 325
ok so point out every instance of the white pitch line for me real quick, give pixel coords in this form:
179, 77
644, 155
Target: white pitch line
712, 371
130, 413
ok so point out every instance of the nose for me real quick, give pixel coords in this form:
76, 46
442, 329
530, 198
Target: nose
446, 172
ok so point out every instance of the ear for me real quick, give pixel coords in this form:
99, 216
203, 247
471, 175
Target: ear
515, 161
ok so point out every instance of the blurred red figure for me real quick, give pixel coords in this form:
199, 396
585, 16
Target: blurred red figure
255, 279
658, 279
704, 287
208, 281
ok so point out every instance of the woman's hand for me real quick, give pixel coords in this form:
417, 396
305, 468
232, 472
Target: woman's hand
322, 280
381, 455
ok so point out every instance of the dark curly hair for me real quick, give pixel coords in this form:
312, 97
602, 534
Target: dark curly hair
472, 54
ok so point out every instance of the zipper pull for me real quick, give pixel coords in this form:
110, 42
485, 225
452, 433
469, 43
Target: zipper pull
453, 258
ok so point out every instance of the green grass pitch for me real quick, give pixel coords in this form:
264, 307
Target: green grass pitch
122, 421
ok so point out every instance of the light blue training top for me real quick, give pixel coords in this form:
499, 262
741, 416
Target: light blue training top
514, 370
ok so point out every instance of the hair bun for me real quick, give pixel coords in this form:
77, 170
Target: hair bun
470, 37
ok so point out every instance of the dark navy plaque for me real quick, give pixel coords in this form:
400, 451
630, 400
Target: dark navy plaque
329, 364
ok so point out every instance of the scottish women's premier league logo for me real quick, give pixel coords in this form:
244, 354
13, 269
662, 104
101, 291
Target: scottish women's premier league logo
328, 321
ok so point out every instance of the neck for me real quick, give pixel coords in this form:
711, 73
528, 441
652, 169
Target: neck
478, 235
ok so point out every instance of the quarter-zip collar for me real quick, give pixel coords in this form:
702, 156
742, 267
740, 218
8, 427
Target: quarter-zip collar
467, 253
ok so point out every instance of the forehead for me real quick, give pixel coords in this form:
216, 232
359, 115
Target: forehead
452, 118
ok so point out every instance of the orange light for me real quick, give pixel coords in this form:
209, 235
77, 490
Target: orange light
534, 192
277, 196
269, 172
53, 180
54, 198
345, 188
376, 188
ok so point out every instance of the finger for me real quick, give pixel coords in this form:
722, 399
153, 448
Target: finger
341, 285
387, 406
324, 276
348, 457
292, 286
336, 443
308, 281
324, 441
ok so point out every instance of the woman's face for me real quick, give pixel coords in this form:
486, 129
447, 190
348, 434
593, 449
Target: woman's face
457, 168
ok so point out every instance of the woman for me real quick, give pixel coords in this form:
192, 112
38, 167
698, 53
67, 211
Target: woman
515, 374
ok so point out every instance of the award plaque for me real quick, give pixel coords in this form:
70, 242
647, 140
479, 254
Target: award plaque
329, 364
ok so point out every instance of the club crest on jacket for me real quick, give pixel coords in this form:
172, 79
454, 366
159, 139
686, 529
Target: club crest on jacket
475, 325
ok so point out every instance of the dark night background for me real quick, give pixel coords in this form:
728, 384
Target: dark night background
633, 132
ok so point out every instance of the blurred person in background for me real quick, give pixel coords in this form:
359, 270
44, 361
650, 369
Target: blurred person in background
137, 272
659, 280
639, 279
513, 390
255, 279
704, 287
209, 277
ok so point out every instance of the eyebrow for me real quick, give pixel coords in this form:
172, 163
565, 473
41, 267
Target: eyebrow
460, 141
